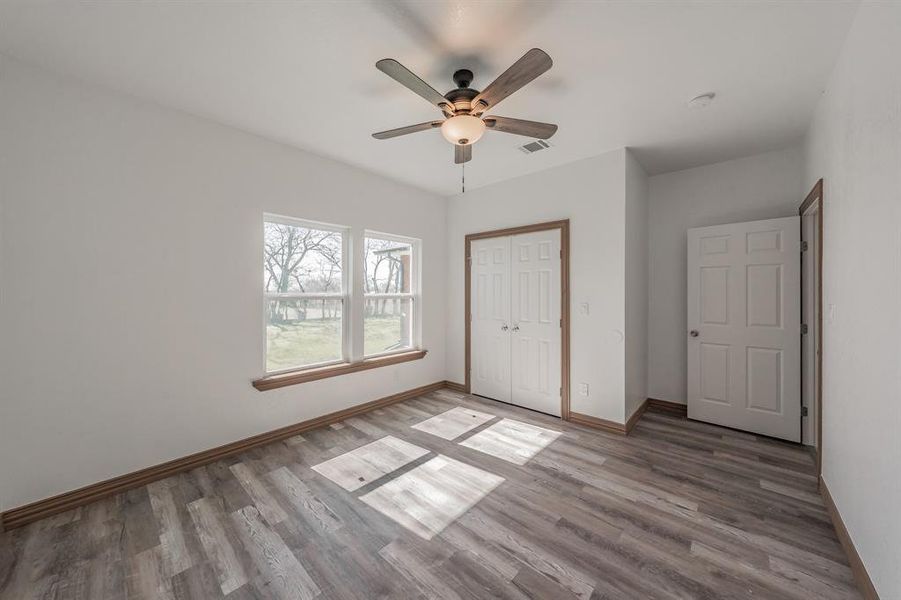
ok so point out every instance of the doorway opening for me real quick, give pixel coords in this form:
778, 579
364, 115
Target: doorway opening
557, 288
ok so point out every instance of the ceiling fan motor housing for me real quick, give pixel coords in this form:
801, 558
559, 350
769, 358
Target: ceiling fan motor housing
461, 97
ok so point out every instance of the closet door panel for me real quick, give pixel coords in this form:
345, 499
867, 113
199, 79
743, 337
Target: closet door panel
490, 306
536, 321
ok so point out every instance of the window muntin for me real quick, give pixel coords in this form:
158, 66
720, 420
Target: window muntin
389, 284
304, 271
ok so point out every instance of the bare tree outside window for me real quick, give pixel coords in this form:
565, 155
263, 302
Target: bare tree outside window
304, 271
302, 276
388, 299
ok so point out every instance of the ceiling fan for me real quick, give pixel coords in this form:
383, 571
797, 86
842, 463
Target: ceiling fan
463, 107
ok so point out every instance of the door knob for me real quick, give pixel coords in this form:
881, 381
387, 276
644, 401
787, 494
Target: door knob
516, 328
504, 327
693, 333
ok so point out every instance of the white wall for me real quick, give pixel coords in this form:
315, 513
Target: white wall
762, 186
854, 144
591, 193
637, 191
132, 270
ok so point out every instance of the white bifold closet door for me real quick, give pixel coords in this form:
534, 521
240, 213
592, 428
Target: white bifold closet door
516, 326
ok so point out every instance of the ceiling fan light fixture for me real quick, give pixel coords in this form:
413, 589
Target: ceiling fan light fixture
463, 130
463, 107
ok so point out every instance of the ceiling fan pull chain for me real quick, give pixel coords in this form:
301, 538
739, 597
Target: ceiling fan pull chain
463, 180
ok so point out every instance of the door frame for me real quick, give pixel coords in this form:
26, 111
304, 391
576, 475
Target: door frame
815, 200
563, 226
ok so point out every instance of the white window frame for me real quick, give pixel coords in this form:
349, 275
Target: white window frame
415, 294
344, 296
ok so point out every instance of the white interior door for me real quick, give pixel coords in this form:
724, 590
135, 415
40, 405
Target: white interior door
744, 339
490, 329
536, 325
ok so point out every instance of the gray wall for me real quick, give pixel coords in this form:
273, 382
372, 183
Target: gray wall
132, 313
763, 186
854, 144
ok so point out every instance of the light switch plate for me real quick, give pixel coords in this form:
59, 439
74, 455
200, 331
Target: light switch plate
583, 389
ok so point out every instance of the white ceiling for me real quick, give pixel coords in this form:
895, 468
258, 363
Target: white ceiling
303, 73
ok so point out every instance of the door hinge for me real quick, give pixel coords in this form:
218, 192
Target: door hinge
803, 328
561, 254
803, 246
561, 322
803, 411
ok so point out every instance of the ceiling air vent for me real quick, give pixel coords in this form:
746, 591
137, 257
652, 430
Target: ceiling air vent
535, 146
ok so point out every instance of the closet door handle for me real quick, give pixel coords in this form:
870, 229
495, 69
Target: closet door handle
504, 327
516, 328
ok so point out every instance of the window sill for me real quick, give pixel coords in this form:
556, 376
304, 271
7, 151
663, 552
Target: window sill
303, 376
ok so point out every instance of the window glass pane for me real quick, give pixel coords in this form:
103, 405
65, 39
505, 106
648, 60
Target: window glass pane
387, 324
388, 267
302, 332
301, 259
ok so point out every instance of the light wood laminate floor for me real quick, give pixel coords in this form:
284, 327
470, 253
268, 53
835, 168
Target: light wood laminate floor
678, 509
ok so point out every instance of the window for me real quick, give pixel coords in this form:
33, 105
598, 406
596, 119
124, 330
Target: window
304, 269
315, 320
388, 299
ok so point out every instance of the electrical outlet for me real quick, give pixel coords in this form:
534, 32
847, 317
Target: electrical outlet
583, 389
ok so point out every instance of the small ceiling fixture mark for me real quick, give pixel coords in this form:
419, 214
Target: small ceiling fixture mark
702, 101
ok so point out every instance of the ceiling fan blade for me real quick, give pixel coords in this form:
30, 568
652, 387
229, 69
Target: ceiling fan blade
384, 135
462, 154
532, 129
532, 64
411, 81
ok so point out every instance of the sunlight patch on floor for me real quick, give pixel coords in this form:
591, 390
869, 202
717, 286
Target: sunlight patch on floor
352, 470
453, 423
430, 497
513, 441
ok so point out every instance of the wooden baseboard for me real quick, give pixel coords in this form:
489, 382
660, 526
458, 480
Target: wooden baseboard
23, 515
597, 423
457, 387
611, 426
633, 420
666, 406
864, 583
